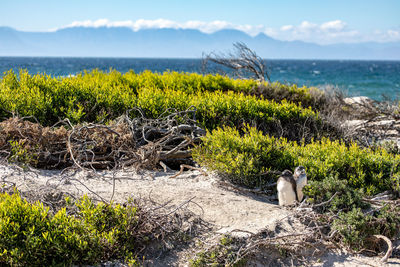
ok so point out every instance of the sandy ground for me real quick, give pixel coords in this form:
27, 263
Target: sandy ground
224, 207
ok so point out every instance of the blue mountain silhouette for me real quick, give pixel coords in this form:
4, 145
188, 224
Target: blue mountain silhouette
175, 43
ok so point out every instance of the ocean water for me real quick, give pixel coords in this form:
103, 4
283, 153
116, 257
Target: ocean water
375, 79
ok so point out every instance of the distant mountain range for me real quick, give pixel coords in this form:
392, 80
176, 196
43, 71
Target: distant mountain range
175, 43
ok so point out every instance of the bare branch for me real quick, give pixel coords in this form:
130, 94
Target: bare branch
132, 140
242, 60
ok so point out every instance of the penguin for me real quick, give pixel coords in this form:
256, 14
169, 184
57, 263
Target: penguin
286, 186
300, 177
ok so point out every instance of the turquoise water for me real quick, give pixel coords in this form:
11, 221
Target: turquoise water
374, 79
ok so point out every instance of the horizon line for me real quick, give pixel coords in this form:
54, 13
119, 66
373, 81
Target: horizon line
200, 58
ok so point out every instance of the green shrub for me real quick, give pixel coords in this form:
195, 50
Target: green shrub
90, 97
248, 156
370, 169
193, 83
187, 82
19, 153
306, 96
356, 221
356, 228
216, 109
31, 235
346, 197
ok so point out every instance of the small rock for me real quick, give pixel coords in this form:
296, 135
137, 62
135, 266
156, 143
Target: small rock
385, 123
354, 123
359, 101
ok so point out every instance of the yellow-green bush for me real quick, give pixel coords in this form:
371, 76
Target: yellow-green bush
193, 83
367, 168
217, 109
246, 158
50, 99
94, 96
31, 236
250, 157
306, 96
188, 82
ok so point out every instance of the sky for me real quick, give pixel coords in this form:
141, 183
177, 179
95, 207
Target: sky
323, 22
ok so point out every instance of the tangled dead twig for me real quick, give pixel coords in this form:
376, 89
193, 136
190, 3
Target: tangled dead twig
165, 224
299, 246
243, 61
167, 138
322, 223
371, 123
291, 243
141, 142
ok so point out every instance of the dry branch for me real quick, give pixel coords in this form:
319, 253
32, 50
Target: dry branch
138, 141
389, 244
183, 166
243, 61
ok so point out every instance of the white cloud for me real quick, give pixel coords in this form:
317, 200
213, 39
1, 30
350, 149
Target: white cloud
336, 25
388, 35
287, 28
139, 24
329, 32
326, 33
306, 26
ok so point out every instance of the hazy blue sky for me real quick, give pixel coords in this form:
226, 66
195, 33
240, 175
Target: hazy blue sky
309, 20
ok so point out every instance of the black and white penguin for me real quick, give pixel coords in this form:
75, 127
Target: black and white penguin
300, 177
286, 186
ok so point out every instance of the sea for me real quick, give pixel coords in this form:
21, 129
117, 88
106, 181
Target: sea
379, 80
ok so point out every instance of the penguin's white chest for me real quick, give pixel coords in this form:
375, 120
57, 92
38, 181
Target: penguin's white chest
286, 194
301, 182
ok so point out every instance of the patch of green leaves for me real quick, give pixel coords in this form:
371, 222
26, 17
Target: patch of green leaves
250, 158
247, 158
355, 221
31, 235
356, 228
340, 195
20, 153
94, 96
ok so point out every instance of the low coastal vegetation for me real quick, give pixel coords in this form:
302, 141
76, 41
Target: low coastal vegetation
99, 97
68, 231
254, 130
343, 176
80, 233
251, 158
